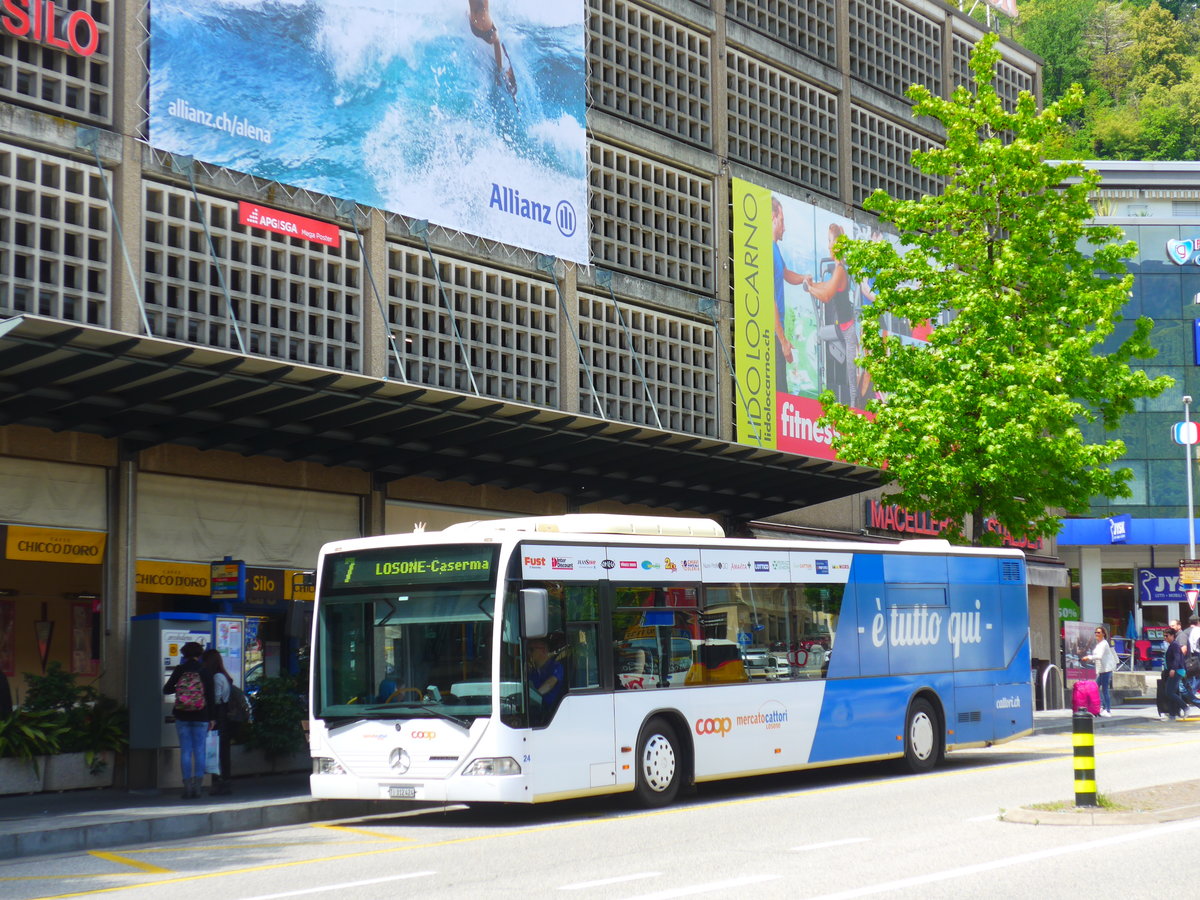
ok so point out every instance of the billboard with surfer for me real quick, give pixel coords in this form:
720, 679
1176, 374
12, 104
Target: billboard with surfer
468, 113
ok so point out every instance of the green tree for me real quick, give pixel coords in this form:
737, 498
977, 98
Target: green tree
984, 420
1057, 31
1159, 50
1108, 41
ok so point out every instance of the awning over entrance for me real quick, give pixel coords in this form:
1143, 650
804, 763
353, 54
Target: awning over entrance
149, 391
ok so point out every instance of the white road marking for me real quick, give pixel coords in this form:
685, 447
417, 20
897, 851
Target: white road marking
340, 887
708, 888
1083, 849
579, 886
843, 842
988, 818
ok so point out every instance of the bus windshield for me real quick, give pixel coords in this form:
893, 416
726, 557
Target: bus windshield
401, 633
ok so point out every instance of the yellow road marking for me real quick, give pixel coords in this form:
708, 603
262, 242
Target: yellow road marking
126, 861
762, 798
362, 831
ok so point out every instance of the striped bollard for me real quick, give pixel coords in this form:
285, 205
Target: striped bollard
1084, 740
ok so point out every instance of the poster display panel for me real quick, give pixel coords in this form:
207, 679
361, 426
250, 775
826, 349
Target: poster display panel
468, 114
797, 320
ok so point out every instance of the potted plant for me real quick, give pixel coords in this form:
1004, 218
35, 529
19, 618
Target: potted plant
94, 729
26, 737
277, 729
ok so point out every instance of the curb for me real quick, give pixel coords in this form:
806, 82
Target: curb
1084, 816
176, 825
1061, 725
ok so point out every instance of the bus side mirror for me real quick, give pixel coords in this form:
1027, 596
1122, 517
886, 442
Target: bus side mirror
535, 610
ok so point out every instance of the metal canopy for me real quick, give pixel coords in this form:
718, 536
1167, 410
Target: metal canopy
149, 391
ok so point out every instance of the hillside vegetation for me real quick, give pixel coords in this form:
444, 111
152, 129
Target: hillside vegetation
1137, 62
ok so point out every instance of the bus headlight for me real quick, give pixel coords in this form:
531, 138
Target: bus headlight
323, 765
501, 765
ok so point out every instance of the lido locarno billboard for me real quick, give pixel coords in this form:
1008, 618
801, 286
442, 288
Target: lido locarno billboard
797, 320
468, 113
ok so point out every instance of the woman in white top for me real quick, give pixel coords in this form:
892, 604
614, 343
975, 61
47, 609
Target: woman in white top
222, 682
1105, 659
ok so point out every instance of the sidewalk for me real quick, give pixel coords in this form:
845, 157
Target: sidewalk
1053, 721
34, 824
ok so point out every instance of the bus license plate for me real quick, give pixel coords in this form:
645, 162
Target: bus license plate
402, 793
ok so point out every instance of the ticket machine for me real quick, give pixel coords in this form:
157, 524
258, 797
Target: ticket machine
155, 645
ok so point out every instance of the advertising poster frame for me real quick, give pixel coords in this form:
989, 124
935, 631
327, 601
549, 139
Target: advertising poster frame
467, 115
796, 319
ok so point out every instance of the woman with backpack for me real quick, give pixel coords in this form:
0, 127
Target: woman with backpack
222, 690
194, 714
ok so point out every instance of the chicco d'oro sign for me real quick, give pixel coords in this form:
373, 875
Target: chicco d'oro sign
287, 223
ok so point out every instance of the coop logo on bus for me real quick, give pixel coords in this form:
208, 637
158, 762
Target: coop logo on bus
769, 719
423, 735
714, 726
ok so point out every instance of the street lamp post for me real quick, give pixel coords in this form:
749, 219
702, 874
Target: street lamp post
1187, 449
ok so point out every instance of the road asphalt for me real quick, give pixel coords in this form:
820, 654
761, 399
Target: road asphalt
71, 821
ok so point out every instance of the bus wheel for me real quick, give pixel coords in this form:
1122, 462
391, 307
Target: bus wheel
922, 737
658, 764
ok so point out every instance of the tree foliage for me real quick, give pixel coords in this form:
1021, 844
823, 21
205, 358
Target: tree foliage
1138, 62
984, 420
1059, 31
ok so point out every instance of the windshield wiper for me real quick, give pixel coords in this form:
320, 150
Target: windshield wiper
412, 704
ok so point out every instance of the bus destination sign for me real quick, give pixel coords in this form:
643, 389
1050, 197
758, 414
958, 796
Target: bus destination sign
411, 565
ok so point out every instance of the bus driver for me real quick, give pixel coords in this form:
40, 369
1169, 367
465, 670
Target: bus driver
545, 673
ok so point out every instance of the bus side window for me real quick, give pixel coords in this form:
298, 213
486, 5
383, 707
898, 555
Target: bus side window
583, 661
583, 627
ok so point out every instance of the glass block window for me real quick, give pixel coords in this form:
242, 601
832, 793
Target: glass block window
508, 324
677, 358
781, 124
1010, 80
880, 158
650, 218
805, 25
56, 249
59, 81
293, 300
650, 69
892, 47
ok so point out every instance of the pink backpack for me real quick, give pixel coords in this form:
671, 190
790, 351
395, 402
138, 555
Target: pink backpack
1085, 695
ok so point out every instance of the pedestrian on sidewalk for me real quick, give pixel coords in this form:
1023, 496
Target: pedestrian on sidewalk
1178, 694
194, 715
222, 687
1105, 659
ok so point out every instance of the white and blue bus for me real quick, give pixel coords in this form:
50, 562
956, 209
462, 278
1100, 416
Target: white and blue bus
537, 659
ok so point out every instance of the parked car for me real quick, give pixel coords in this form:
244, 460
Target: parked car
761, 664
